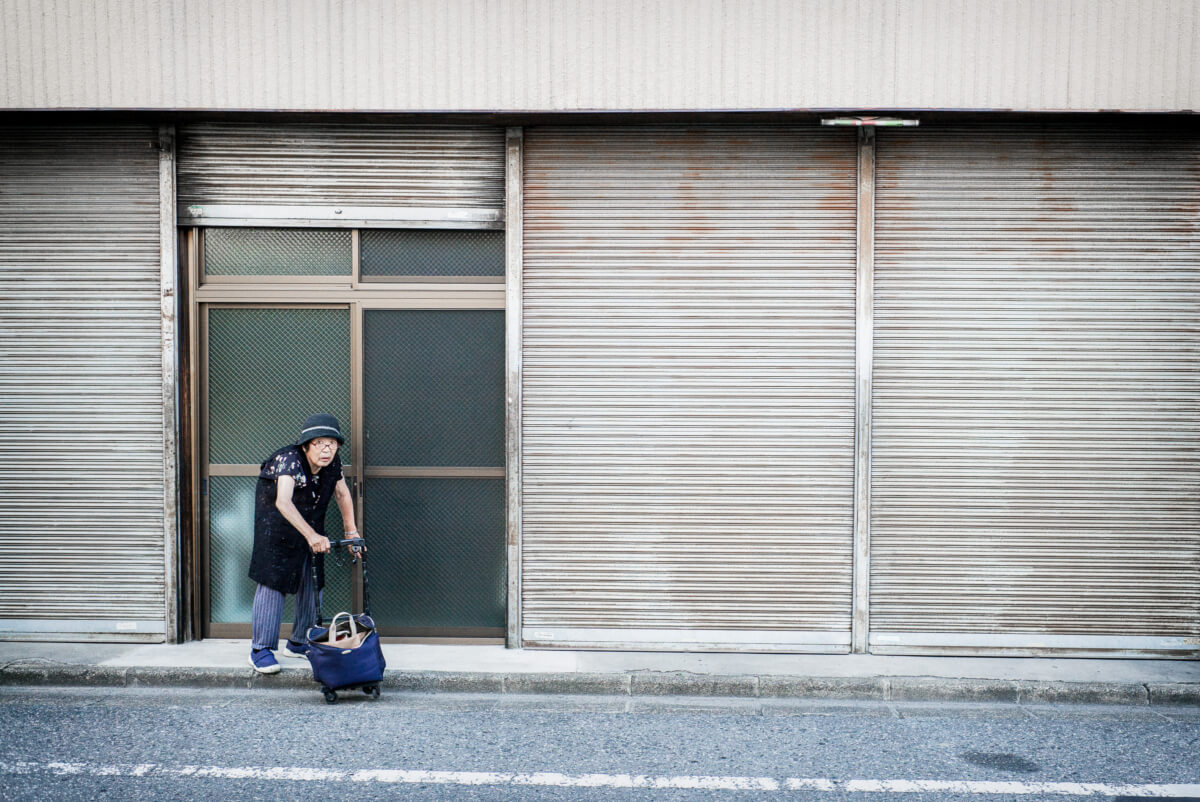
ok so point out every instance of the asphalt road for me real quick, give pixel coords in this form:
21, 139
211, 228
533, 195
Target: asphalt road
90, 744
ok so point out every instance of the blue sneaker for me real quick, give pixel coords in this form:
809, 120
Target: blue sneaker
263, 661
293, 649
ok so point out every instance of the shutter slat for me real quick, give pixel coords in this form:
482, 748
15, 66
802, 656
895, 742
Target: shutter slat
361, 164
1036, 431
688, 396
81, 437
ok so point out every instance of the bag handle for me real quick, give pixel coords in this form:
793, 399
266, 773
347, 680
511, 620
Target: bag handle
333, 625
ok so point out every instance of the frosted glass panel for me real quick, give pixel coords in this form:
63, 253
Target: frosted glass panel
277, 252
432, 252
231, 538
268, 370
434, 388
437, 552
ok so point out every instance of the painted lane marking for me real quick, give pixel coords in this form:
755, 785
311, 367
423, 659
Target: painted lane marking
1018, 788
557, 780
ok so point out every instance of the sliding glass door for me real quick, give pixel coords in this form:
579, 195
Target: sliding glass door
400, 334
268, 369
433, 437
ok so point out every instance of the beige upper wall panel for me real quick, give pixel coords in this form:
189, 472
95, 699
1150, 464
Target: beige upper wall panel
563, 55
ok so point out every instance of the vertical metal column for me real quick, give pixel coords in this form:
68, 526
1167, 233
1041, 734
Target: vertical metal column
864, 342
168, 269
514, 200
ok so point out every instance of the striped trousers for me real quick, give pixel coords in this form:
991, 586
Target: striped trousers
267, 614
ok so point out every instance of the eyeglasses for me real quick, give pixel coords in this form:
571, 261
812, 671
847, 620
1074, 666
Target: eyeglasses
324, 445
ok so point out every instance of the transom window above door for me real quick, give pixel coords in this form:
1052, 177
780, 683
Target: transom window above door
248, 254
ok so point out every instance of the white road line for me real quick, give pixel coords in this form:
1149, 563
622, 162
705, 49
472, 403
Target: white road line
557, 780
1045, 789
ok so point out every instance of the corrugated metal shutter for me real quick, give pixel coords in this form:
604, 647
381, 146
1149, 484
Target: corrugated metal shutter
688, 388
81, 425
358, 164
1036, 440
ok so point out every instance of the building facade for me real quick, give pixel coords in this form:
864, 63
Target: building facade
786, 327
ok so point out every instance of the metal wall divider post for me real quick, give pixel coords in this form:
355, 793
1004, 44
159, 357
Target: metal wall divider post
168, 300
864, 343
514, 167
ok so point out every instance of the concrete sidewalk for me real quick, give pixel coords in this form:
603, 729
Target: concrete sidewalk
494, 669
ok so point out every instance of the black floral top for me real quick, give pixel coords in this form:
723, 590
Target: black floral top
279, 548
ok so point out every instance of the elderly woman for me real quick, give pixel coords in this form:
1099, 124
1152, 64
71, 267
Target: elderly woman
295, 485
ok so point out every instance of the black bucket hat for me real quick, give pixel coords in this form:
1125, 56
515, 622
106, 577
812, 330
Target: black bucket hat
320, 425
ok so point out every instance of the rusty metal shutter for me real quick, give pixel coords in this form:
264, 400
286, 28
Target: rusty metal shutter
81, 418
688, 388
1036, 428
229, 170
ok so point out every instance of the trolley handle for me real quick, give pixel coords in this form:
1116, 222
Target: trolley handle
359, 546
356, 543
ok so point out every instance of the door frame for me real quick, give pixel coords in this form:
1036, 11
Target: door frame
417, 293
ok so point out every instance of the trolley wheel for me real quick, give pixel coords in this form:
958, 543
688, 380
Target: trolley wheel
374, 691
330, 696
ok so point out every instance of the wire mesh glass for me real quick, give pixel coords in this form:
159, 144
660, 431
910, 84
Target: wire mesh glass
268, 370
431, 252
433, 387
231, 539
436, 552
277, 252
